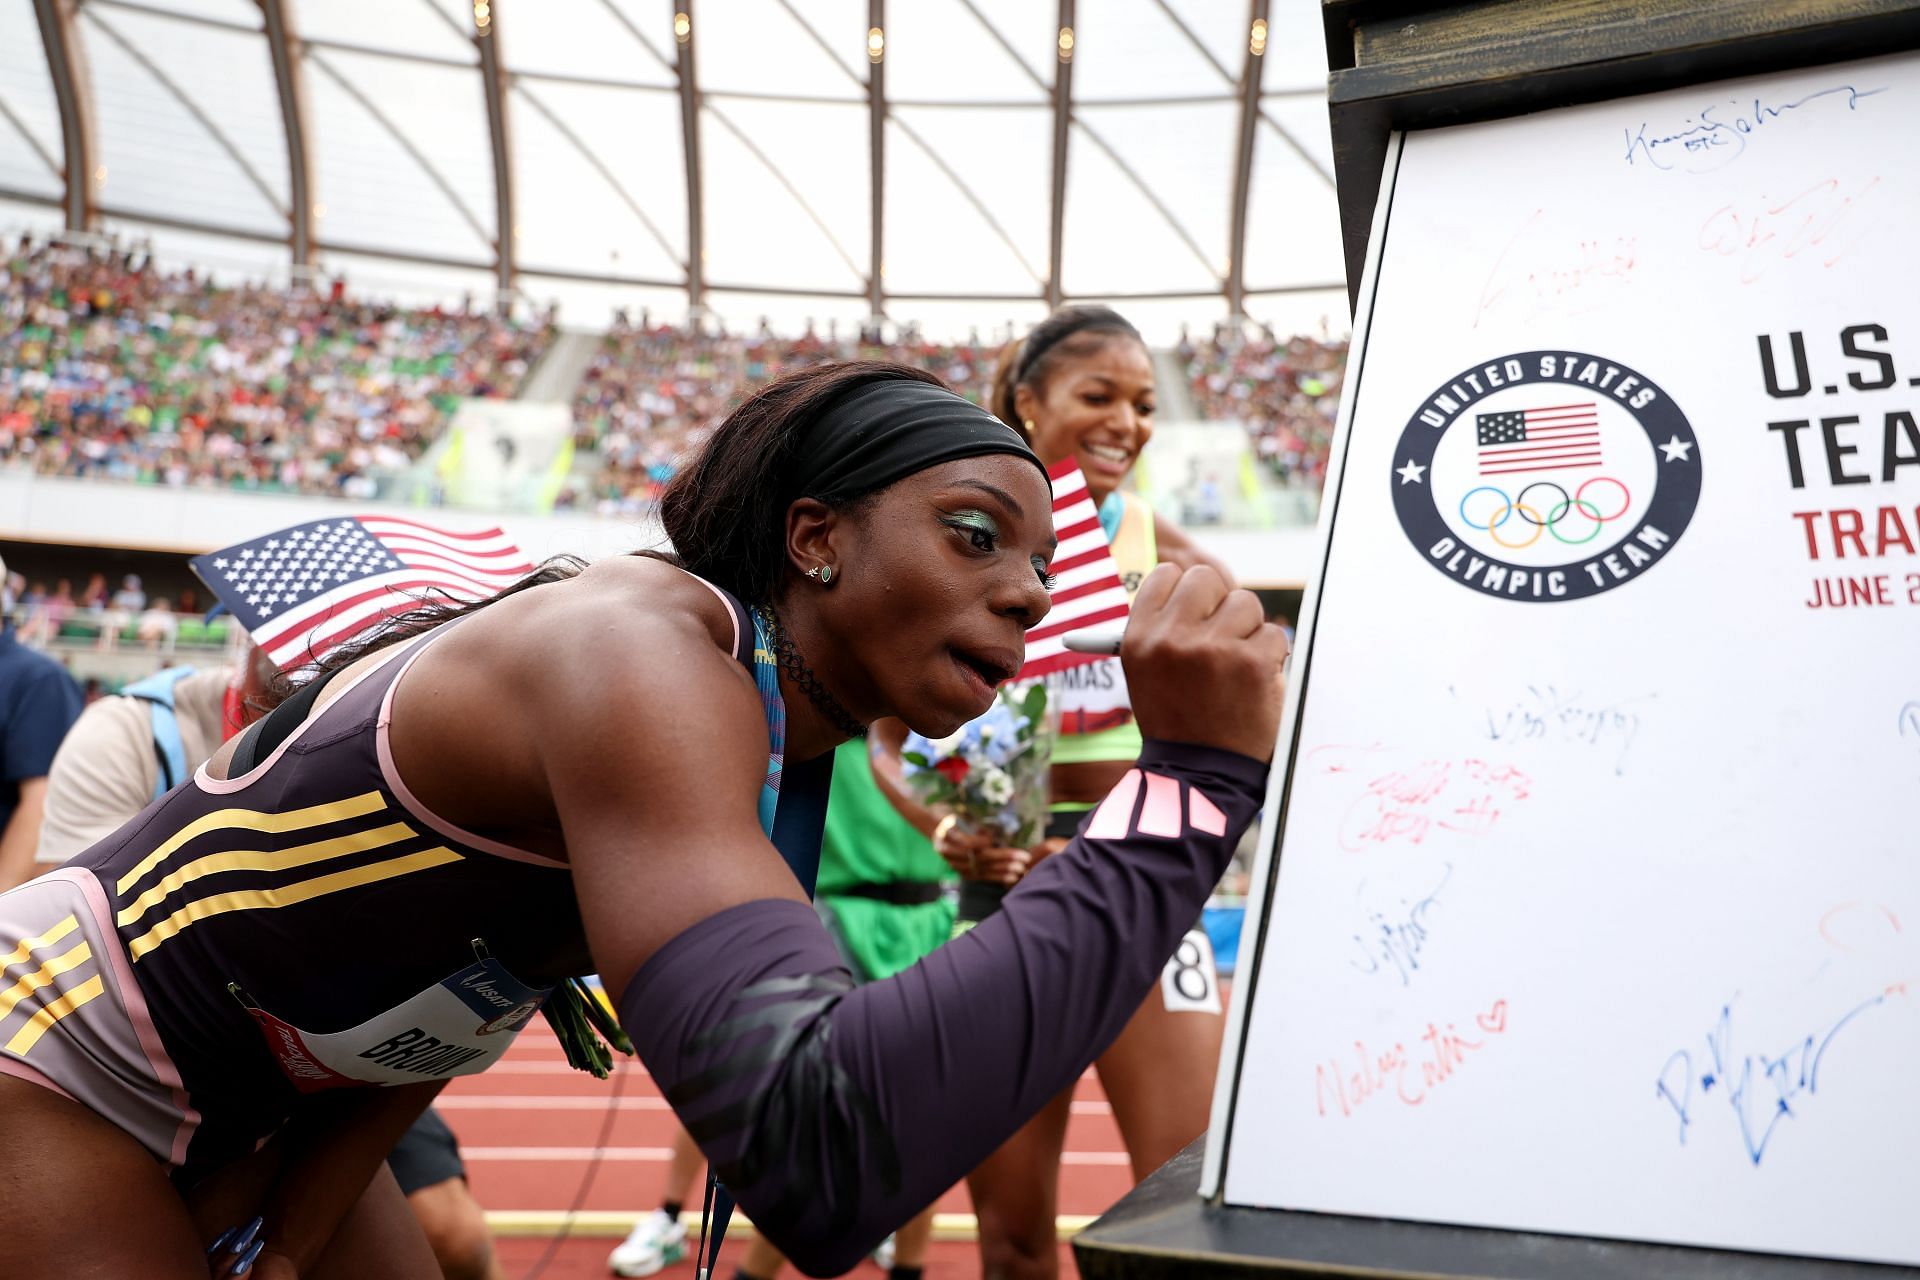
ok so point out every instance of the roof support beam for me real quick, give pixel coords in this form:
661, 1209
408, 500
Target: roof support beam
683, 67
290, 76
493, 81
1250, 75
877, 153
1062, 123
74, 97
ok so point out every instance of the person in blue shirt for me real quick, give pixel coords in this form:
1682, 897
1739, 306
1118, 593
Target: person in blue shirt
38, 704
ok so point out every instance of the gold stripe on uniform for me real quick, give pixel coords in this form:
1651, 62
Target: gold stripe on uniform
46, 939
299, 855
287, 895
26, 1037
43, 977
254, 820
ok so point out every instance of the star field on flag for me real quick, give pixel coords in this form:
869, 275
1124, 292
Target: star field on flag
300, 591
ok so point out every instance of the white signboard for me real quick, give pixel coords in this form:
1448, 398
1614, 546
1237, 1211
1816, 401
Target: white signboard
1595, 904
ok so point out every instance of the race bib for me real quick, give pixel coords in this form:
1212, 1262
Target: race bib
1189, 984
1092, 697
456, 1028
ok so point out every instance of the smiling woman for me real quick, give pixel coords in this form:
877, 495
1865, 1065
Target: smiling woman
618, 770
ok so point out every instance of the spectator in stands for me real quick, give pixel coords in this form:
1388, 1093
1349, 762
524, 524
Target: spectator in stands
1285, 394
157, 626
129, 598
38, 704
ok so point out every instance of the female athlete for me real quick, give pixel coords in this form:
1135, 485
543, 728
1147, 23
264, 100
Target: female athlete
1081, 386
612, 771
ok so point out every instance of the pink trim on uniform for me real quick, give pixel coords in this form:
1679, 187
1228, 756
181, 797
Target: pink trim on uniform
226, 786
726, 604
1205, 814
21, 1071
383, 747
1114, 818
115, 961
1160, 815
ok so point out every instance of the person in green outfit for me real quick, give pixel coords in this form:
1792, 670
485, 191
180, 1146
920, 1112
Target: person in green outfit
883, 892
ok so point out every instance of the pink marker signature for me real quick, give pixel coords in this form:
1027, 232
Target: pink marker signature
1342, 1085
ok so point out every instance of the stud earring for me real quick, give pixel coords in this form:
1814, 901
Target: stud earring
1028, 424
814, 572
826, 574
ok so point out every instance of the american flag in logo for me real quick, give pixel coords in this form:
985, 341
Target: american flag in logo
1557, 438
1087, 590
302, 590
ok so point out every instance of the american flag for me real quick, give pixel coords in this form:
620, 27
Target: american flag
302, 590
1557, 438
1087, 590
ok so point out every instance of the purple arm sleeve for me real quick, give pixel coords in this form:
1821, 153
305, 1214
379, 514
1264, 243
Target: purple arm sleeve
835, 1113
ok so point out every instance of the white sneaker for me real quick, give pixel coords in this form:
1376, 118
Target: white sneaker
883, 1256
657, 1241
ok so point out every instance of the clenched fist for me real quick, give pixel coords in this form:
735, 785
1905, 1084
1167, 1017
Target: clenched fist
1203, 662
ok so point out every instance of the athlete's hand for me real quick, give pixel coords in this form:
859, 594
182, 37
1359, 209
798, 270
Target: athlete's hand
1203, 662
976, 855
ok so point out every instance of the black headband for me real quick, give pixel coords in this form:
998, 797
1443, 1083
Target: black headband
887, 430
1030, 351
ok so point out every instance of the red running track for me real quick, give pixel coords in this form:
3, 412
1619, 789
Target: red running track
530, 1128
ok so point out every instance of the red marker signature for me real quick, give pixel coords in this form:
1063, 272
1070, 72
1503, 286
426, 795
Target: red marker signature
1341, 1086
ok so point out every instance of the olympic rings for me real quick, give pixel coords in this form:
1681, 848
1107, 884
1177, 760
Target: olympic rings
1540, 484
1588, 510
1538, 526
1555, 514
1626, 499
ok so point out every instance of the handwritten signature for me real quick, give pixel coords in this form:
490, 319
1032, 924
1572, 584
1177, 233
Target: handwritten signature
1397, 943
1549, 715
1910, 722
1543, 271
1411, 803
1767, 232
1760, 1088
1392, 1073
1719, 133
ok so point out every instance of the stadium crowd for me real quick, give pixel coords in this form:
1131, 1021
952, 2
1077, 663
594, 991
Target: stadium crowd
1285, 392
111, 367
653, 390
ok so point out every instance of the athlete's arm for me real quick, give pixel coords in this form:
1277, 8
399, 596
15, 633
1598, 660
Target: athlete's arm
835, 1114
333, 1146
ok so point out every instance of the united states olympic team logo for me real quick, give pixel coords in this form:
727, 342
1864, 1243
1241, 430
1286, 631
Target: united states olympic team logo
1546, 475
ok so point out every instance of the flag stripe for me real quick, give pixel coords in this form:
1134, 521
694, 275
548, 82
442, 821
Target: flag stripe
1114, 597
1087, 589
478, 535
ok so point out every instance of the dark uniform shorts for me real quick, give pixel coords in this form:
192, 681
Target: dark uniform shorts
426, 1154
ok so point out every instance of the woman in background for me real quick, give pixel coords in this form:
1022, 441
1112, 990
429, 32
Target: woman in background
1081, 386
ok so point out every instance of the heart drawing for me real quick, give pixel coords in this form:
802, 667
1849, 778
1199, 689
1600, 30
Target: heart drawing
1495, 1019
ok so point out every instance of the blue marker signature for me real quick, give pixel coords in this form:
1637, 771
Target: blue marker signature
1719, 133
1759, 1088
1551, 715
1397, 942
1910, 721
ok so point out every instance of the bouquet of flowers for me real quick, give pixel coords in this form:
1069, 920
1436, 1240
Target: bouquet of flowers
992, 773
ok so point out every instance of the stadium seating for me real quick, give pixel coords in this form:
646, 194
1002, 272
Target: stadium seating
112, 368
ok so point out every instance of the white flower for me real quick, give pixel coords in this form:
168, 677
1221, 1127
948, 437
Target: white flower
996, 787
944, 747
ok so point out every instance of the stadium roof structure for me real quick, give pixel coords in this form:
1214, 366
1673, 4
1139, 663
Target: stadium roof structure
852, 157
